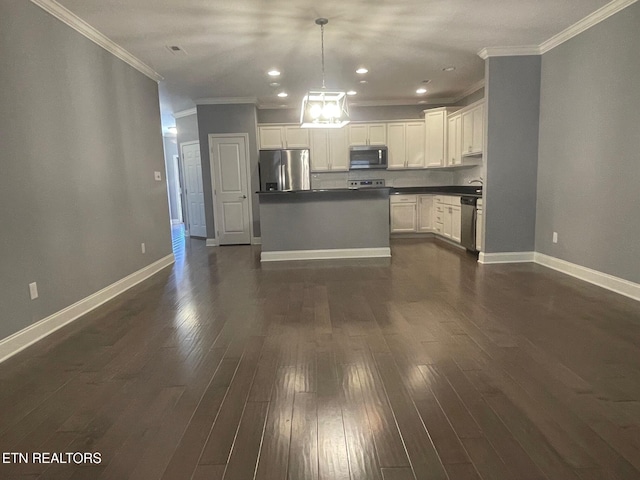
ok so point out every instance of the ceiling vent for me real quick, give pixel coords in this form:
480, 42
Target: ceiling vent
176, 50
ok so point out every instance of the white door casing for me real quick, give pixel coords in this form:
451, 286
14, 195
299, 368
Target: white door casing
230, 184
194, 194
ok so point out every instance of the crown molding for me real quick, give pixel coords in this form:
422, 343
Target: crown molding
226, 100
409, 102
185, 113
509, 51
83, 28
587, 22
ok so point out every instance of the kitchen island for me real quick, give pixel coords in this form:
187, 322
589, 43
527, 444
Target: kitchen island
324, 224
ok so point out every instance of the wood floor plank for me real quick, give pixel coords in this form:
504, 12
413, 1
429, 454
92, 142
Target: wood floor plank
218, 447
303, 456
244, 455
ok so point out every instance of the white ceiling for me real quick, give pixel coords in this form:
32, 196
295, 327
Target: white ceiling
231, 44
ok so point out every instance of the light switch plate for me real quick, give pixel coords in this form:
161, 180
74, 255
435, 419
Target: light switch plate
157, 176
555, 237
33, 290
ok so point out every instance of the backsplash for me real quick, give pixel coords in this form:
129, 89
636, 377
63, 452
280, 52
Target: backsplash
392, 178
463, 175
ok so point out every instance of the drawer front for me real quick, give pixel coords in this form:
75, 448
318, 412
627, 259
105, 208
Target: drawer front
439, 217
403, 199
439, 199
439, 228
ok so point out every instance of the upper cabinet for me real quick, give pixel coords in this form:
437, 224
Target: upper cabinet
329, 150
454, 134
283, 136
367, 134
436, 126
406, 145
473, 129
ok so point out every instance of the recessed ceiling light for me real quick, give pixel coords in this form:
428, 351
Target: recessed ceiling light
283, 94
420, 91
274, 84
422, 102
361, 70
351, 92
448, 69
273, 73
363, 81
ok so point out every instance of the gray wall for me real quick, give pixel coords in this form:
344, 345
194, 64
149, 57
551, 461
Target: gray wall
81, 138
589, 162
187, 129
512, 120
228, 119
171, 149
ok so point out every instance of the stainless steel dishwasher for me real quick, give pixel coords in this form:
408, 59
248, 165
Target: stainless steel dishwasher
468, 212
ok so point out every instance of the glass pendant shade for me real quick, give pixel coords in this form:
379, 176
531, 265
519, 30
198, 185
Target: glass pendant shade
324, 109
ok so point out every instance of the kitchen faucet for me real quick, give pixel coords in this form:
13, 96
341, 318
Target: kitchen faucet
476, 180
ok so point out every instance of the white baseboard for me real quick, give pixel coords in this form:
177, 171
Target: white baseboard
212, 242
256, 241
333, 253
27, 336
604, 280
505, 257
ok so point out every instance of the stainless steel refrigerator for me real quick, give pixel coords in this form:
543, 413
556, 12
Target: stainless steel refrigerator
284, 170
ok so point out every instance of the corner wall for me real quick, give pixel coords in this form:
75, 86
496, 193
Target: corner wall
589, 160
81, 139
512, 86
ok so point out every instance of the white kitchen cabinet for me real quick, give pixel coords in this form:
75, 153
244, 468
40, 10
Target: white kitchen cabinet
456, 217
403, 213
396, 146
329, 151
447, 217
367, 134
283, 136
435, 122
479, 225
454, 135
415, 144
425, 213
296, 137
472, 130
405, 142
271, 137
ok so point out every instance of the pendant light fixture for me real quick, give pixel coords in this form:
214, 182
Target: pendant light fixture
322, 108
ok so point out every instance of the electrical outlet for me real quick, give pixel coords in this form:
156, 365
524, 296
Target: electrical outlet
555, 237
143, 248
33, 290
157, 176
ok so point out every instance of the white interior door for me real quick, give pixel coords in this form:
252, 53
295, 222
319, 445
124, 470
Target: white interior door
231, 188
194, 194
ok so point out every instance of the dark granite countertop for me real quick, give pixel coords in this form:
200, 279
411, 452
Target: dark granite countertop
323, 190
471, 190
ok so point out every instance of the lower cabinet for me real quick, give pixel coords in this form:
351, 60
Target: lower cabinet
447, 217
425, 213
440, 214
403, 209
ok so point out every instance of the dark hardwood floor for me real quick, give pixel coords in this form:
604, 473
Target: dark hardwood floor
428, 366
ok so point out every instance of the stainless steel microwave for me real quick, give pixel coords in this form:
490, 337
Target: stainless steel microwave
367, 157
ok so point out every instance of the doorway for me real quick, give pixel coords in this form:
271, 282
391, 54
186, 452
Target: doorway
195, 224
229, 157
